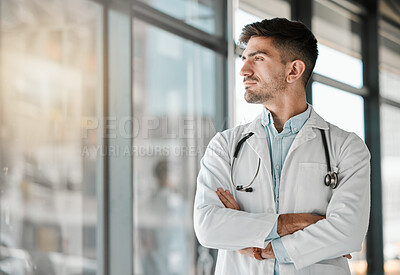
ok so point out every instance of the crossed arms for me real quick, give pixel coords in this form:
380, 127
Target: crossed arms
287, 224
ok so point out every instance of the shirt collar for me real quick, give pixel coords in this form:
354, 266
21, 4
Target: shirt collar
294, 124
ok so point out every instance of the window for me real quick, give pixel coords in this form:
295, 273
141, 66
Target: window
48, 94
341, 108
338, 33
390, 119
175, 112
204, 15
389, 77
339, 66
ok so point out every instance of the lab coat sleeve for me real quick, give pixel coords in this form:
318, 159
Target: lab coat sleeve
347, 216
219, 227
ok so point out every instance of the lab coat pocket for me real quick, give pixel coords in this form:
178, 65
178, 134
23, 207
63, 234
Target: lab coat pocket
312, 195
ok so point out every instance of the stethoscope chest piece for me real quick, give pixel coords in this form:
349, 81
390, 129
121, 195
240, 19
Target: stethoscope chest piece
331, 180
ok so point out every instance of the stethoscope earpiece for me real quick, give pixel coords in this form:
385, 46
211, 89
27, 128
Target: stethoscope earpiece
240, 188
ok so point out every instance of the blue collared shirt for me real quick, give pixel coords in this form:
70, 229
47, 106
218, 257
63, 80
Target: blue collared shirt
279, 145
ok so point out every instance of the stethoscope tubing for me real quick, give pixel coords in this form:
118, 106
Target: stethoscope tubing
331, 178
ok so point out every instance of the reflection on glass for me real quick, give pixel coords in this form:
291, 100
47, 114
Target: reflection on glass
341, 108
204, 15
339, 66
390, 137
48, 93
175, 111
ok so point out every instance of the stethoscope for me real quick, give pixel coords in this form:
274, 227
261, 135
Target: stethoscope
331, 178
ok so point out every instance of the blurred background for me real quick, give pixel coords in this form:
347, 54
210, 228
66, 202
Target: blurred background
106, 107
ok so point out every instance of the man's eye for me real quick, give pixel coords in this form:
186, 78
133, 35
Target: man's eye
258, 58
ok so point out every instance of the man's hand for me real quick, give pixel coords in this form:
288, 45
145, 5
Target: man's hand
227, 199
247, 252
290, 223
268, 252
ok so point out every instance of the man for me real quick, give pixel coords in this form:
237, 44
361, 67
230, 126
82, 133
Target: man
266, 206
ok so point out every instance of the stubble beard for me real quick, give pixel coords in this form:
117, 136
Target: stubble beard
266, 92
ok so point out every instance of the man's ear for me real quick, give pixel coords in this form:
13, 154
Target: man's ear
296, 69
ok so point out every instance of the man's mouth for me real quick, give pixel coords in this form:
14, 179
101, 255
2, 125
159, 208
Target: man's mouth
249, 81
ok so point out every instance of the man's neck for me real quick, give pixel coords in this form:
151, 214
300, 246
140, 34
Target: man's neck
283, 111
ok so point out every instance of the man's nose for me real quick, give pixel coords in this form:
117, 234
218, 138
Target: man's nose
246, 69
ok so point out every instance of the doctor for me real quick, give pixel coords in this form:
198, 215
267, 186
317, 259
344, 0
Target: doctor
268, 206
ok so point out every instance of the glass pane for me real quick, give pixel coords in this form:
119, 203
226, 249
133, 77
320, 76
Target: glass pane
327, 101
242, 18
48, 92
330, 63
390, 84
338, 33
175, 107
390, 120
269, 9
204, 15
389, 55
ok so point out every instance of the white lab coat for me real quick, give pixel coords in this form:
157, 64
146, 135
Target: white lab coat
318, 249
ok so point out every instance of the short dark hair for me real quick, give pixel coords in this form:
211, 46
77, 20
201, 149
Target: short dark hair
292, 39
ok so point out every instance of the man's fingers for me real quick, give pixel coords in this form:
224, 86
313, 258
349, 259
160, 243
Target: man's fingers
246, 251
222, 198
227, 199
232, 202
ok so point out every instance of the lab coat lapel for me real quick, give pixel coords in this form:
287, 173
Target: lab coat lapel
308, 132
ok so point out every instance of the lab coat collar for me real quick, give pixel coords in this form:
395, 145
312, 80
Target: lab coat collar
314, 121
308, 131
294, 124
258, 142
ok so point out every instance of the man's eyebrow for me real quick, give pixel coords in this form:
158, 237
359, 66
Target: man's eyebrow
255, 53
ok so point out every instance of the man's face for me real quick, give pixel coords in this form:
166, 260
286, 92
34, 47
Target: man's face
263, 71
